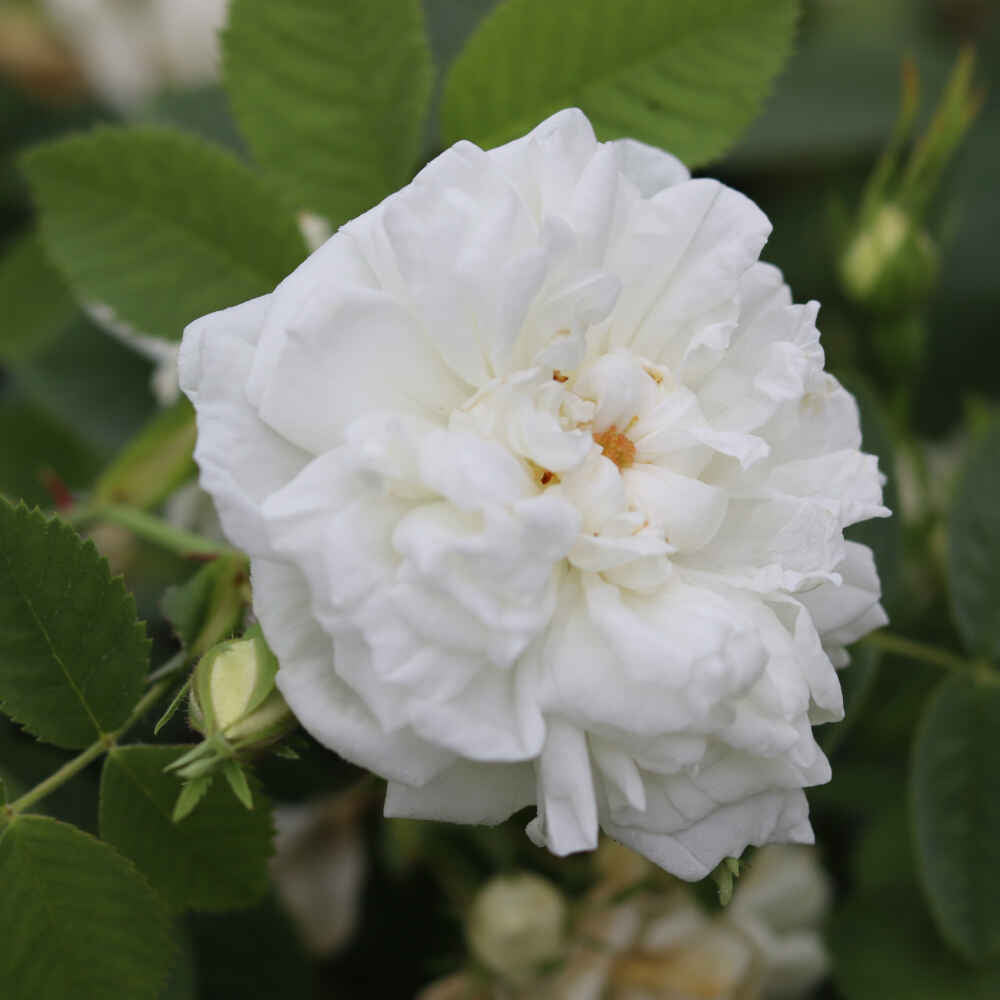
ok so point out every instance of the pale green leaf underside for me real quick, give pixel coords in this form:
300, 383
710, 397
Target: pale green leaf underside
974, 549
160, 226
73, 656
956, 814
685, 75
78, 920
214, 859
330, 96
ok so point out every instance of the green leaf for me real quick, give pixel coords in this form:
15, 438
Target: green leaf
974, 548
956, 813
154, 463
215, 859
78, 919
232, 963
191, 794
183, 981
687, 76
331, 96
237, 781
883, 859
161, 226
91, 382
37, 305
72, 654
202, 110
884, 945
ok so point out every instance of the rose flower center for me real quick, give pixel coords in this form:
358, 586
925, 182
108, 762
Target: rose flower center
617, 446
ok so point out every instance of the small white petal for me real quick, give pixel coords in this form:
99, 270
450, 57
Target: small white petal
567, 809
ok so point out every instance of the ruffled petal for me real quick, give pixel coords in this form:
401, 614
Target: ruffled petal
465, 793
691, 853
323, 703
242, 460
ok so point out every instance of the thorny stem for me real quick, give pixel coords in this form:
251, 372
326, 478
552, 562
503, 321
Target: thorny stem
73, 767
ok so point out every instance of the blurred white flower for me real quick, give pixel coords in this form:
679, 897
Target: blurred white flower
131, 49
780, 904
544, 487
655, 942
319, 868
765, 946
517, 924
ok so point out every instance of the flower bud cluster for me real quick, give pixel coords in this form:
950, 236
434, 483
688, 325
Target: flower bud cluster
641, 933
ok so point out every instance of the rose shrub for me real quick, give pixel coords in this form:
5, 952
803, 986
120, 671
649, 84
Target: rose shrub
544, 486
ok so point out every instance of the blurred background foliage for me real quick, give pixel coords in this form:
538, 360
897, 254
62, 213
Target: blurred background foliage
927, 377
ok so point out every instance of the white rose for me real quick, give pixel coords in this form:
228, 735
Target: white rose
542, 480
319, 868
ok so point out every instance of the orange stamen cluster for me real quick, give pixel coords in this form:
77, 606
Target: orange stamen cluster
616, 446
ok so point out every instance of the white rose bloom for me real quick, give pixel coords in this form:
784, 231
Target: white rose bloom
544, 487
130, 49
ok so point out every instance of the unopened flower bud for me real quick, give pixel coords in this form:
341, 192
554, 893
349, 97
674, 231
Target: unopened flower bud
156, 461
516, 925
890, 263
234, 694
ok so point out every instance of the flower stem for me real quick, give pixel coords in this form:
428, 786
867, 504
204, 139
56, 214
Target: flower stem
73, 767
171, 668
151, 528
924, 652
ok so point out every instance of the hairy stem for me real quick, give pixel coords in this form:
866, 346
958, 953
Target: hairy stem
914, 650
150, 528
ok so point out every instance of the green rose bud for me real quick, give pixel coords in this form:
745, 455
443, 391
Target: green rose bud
234, 694
890, 263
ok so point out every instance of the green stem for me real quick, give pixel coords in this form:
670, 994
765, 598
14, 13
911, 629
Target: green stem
152, 529
925, 653
53, 781
73, 767
170, 669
